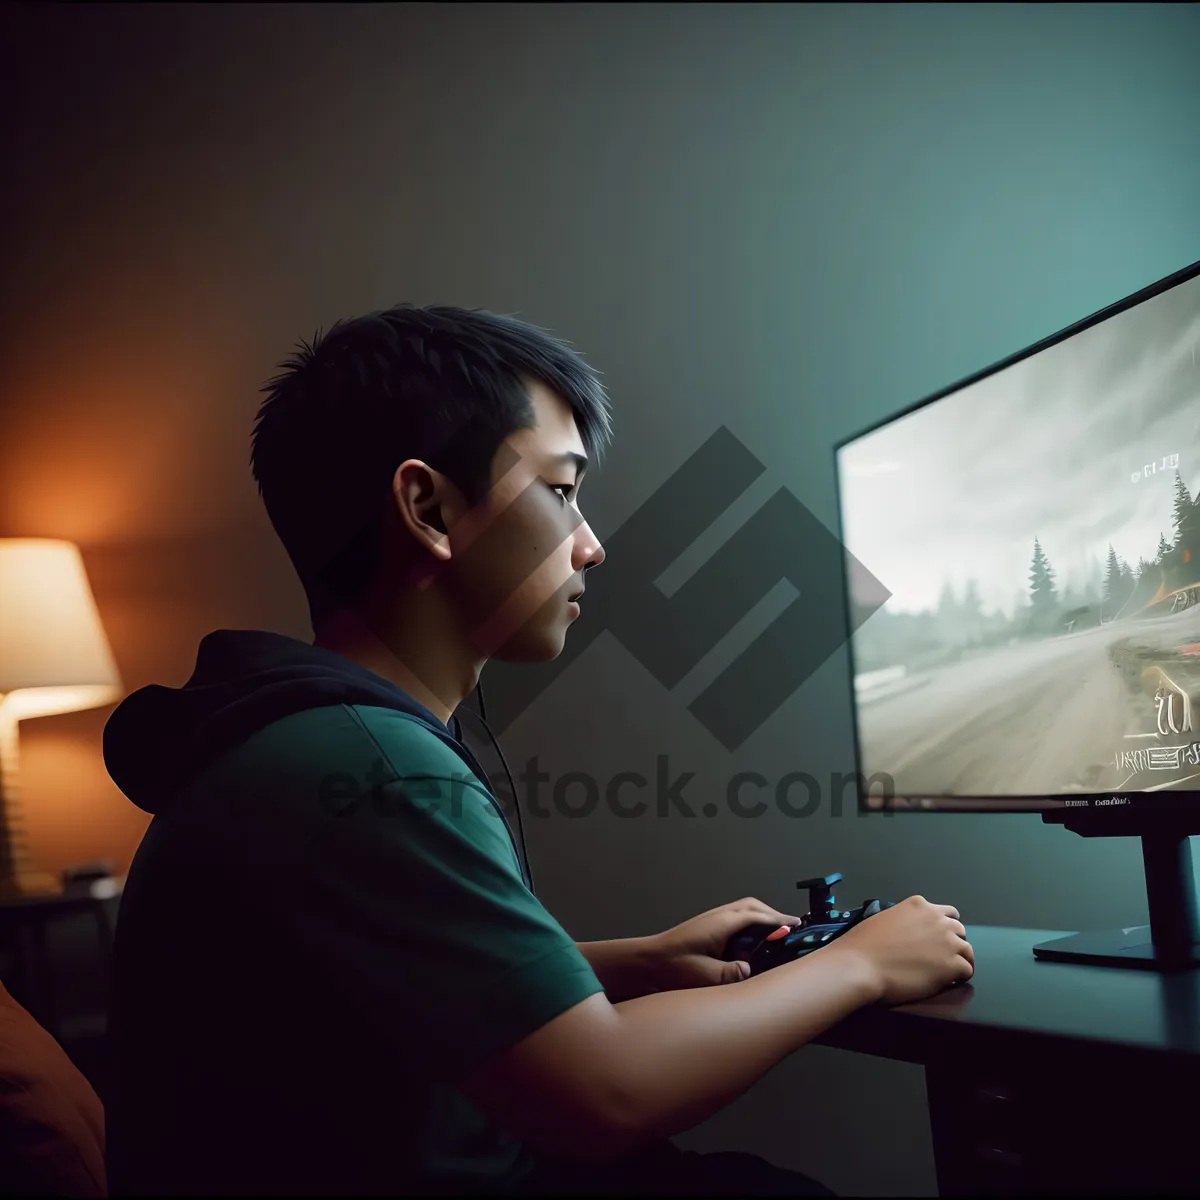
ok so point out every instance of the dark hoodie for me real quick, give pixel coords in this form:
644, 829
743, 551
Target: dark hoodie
244, 679
326, 926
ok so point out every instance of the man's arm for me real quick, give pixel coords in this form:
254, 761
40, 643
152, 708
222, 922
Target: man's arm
625, 966
600, 1080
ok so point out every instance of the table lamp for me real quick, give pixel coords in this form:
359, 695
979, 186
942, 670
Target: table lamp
54, 658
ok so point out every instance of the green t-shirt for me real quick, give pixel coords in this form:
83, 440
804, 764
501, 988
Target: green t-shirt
316, 943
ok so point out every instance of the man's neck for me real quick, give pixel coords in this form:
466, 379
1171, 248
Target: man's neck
415, 647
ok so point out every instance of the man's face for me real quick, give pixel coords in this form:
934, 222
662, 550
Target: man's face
517, 559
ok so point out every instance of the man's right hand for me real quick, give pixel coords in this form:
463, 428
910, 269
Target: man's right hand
914, 948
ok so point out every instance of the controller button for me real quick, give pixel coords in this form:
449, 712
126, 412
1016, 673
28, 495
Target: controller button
780, 932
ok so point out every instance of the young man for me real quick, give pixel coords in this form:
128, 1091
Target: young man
332, 976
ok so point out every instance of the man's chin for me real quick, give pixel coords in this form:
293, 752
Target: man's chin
543, 646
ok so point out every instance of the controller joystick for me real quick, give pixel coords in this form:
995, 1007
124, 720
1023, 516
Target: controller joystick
767, 946
820, 894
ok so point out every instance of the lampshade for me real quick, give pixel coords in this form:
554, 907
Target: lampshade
54, 655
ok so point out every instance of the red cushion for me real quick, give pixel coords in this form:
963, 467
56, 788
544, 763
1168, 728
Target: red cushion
51, 1120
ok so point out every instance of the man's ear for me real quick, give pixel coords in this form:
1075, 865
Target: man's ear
423, 497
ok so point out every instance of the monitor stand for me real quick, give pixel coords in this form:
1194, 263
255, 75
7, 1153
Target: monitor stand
1171, 942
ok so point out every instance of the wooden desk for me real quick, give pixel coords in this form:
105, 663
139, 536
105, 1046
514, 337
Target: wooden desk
1051, 1077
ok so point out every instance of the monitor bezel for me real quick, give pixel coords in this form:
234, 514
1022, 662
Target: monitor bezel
1160, 802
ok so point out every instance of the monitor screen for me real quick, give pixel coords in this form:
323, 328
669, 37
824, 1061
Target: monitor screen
1038, 530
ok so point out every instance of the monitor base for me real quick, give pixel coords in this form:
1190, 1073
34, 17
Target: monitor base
1172, 939
1118, 948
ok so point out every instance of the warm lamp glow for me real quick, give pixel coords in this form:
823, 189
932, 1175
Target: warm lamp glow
54, 658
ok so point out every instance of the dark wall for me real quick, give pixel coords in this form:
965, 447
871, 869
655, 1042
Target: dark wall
790, 220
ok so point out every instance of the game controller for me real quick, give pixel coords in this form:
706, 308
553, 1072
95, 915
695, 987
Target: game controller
767, 946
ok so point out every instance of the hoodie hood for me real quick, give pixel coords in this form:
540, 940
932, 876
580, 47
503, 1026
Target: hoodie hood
159, 737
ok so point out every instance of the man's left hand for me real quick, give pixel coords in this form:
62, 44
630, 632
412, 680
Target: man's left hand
689, 955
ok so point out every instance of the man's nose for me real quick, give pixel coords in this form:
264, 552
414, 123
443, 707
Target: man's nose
593, 551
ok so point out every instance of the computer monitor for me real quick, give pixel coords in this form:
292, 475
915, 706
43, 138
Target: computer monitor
1037, 526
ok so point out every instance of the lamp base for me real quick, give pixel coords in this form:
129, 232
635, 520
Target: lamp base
28, 885
20, 878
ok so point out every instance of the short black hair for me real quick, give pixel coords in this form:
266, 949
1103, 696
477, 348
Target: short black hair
445, 385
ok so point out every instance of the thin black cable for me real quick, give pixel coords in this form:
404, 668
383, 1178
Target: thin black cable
482, 719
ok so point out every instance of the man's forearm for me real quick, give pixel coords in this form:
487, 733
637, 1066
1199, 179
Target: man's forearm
686, 1054
624, 966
